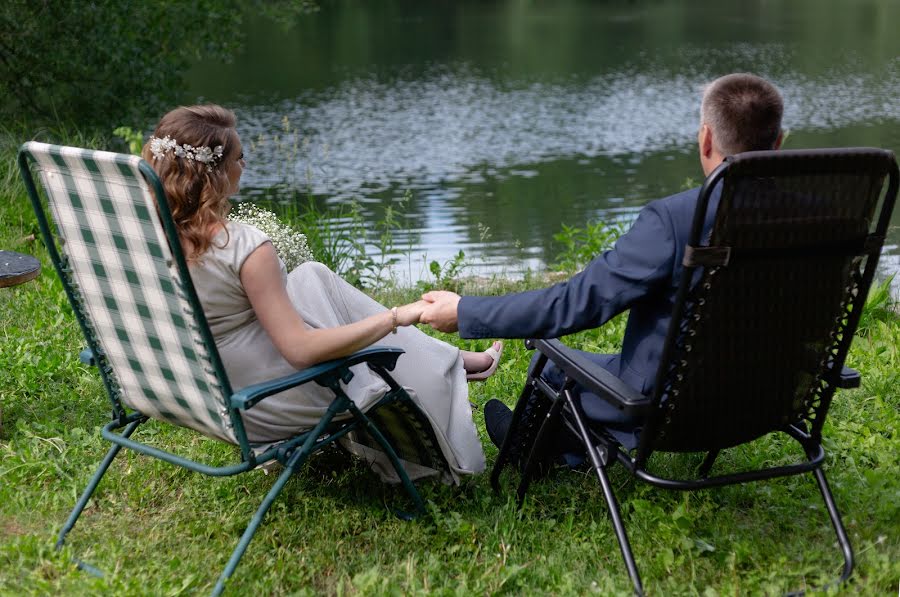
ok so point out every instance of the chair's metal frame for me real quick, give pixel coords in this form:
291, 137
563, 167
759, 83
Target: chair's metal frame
291, 452
562, 409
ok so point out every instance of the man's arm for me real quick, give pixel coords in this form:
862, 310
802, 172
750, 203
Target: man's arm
641, 260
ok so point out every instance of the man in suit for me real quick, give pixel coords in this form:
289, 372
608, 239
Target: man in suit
739, 112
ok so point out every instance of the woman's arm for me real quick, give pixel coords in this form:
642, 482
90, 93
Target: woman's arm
300, 346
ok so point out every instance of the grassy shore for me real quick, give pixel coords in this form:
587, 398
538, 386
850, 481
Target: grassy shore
156, 529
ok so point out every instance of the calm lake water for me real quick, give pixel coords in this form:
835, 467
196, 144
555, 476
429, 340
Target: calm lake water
505, 120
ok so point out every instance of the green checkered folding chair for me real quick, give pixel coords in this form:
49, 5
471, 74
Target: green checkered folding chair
116, 251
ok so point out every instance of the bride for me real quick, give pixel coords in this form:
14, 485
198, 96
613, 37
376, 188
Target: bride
268, 322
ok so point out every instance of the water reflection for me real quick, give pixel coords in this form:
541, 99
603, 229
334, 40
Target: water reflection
521, 160
460, 127
507, 120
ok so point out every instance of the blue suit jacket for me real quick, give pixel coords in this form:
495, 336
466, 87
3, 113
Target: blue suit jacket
640, 273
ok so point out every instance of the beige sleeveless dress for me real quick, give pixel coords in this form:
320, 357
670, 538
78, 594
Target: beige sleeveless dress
431, 370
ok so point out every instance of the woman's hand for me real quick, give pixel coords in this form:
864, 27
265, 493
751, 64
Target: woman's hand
411, 313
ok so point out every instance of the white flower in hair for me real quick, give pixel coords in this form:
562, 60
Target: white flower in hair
159, 147
203, 154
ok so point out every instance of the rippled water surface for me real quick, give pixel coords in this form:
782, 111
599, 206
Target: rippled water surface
503, 121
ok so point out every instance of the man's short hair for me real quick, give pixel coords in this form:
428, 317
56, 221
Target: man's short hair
744, 112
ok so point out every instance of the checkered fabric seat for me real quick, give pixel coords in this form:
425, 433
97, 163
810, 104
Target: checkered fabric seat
115, 247
128, 285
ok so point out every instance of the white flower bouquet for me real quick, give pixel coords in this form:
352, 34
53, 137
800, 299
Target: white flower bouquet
290, 244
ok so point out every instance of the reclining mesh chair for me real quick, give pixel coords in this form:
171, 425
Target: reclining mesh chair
117, 253
763, 319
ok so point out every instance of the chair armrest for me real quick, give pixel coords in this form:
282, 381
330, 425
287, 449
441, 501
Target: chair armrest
247, 397
849, 379
594, 378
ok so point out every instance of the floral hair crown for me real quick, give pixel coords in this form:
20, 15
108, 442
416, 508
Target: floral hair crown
202, 154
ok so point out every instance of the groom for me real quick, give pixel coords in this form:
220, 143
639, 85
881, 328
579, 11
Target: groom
739, 112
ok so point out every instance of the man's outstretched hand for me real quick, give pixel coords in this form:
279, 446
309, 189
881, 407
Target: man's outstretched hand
440, 313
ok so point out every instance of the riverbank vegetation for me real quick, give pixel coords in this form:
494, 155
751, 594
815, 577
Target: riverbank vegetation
156, 529
114, 60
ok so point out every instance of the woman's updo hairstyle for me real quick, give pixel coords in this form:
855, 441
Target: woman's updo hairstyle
197, 191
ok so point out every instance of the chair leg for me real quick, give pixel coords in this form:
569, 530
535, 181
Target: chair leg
599, 462
518, 412
835, 516
86, 496
618, 525
707, 463
538, 448
843, 540
506, 449
408, 485
293, 462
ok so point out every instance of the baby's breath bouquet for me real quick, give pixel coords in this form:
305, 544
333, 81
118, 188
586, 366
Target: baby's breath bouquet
290, 244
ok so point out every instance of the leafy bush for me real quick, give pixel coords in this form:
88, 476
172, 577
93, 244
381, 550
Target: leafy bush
580, 245
880, 306
112, 60
446, 275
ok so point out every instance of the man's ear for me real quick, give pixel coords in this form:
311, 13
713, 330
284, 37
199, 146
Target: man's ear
777, 144
706, 141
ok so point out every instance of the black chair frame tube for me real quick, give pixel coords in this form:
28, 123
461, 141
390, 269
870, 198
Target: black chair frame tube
599, 461
598, 451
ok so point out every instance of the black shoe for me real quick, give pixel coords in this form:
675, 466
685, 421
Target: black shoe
497, 419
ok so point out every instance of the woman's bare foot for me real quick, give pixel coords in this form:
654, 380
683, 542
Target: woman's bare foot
481, 365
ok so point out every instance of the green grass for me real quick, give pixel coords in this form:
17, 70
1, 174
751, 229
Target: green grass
156, 529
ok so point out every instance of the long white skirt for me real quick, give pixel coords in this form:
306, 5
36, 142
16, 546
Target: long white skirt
430, 370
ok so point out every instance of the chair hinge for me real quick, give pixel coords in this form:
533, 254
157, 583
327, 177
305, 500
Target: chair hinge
706, 256
602, 453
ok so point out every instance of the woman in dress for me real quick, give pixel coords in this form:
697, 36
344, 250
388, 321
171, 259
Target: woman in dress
268, 322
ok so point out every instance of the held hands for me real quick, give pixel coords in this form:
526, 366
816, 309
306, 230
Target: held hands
411, 313
441, 310
437, 308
